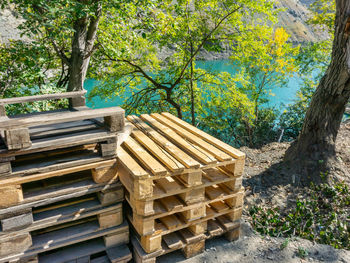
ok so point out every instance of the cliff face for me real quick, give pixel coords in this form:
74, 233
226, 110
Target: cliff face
294, 20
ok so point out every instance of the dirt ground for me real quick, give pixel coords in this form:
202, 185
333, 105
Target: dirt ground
253, 248
268, 183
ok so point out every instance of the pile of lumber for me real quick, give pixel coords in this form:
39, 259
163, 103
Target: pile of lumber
60, 196
183, 186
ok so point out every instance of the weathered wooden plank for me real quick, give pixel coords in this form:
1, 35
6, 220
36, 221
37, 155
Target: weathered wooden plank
36, 177
172, 149
173, 241
54, 96
220, 155
210, 139
61, 128
51, 118
49, 196
54, 163
65, 239
62, 141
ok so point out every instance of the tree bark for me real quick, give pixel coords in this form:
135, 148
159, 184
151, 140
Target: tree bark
192, 91
82, 48
315, 146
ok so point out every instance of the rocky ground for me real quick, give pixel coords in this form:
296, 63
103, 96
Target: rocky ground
268, 184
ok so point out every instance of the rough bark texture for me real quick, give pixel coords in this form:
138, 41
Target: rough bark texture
82, 48
315, 147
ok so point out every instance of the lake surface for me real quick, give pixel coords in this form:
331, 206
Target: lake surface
282, 96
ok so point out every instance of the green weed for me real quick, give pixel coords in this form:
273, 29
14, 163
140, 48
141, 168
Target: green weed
323, 216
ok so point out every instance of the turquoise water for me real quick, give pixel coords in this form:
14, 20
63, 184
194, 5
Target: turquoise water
282, 96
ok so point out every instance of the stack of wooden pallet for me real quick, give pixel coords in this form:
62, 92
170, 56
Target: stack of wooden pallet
60, 198
183, 186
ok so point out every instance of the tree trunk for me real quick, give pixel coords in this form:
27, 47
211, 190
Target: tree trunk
82, 49
192, 91
315, 146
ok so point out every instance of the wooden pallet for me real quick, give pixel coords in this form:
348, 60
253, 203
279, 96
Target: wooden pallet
14, 191
42, 215
162, 146
173, 223
167, 188
106, 225
190, 243
16, 133
58, 159
172, 211
93, 251
183, 240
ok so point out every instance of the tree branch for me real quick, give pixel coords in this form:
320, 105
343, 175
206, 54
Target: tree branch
202, 43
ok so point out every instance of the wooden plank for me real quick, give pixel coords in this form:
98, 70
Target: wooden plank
51, 118
210, 139
68, 240
163, 156
214, 229
172, 149
171, 221
61, 128
55, 96
172, 203
200, 153
62, 141
36, 177
144, 157
173, 241
220, 155
168, 184
131, 165
214, 192
52, 164
219, 206
56, 195
66, 214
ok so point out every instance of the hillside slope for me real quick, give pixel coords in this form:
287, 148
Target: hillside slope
293, 19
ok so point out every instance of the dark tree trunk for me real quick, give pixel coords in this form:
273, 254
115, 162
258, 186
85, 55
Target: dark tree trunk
82, 49
315, 147
192, 91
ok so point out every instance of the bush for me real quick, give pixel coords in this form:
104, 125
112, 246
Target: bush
322, 216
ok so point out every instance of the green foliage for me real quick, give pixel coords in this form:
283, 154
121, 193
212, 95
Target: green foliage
323, 15
180, 31
322, 216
